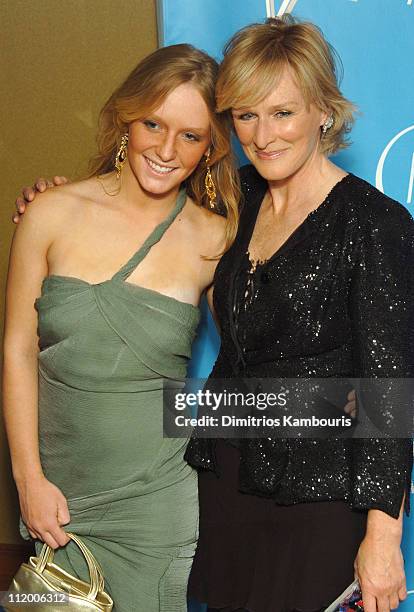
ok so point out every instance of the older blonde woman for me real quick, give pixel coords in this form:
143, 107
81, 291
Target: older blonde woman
318, 283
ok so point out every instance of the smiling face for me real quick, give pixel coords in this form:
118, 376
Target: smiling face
281, 134
165, 147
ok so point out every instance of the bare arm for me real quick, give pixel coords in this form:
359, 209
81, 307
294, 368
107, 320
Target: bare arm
41, 502
379, 564
209, 295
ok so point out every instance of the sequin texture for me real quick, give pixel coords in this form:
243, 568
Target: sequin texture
336, 300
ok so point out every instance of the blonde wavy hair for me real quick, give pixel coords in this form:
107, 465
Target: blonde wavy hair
256, 56
143, 91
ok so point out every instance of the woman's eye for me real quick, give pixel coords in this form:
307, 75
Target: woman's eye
192, 137
245, 116
152, 125
282, 114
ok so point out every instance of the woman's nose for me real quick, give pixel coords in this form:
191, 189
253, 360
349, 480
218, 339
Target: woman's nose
166, 149
262, 136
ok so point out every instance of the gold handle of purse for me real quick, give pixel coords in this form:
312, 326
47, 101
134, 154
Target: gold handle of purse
95, 571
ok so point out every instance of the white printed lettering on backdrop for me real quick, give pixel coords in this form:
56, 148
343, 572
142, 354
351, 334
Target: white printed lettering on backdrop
389, 150
407, 2
287, 6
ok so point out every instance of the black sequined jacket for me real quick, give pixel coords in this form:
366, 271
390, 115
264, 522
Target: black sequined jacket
336, 300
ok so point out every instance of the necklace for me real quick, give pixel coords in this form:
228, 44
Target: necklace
100, 179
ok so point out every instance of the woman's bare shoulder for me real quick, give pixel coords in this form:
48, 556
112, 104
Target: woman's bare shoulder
71, 194
57, 205
209, 226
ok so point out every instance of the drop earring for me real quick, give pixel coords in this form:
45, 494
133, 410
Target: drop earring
209, 184
121, 155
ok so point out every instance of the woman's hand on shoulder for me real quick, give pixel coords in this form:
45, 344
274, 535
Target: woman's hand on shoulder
44, 510
40, 222
28, 194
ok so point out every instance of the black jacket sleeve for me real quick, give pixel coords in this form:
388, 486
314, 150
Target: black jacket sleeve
382, 314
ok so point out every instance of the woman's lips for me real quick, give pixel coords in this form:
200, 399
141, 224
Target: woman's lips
271, 155
158, 169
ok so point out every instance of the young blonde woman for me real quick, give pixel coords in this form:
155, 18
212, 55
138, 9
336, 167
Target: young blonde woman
101, 312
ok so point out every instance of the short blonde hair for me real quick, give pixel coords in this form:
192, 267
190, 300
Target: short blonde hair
145, 89
254, 60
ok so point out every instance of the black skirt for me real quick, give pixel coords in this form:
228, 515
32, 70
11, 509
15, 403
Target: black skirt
256, 555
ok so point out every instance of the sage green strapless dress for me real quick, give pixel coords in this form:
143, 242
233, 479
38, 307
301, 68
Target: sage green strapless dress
105, 350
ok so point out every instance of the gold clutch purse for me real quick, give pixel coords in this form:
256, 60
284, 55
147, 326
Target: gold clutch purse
42, 586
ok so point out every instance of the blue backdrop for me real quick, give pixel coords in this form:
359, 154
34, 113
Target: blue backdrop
375, 41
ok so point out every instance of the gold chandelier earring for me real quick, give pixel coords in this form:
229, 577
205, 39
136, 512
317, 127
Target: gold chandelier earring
121, 155
209, 184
